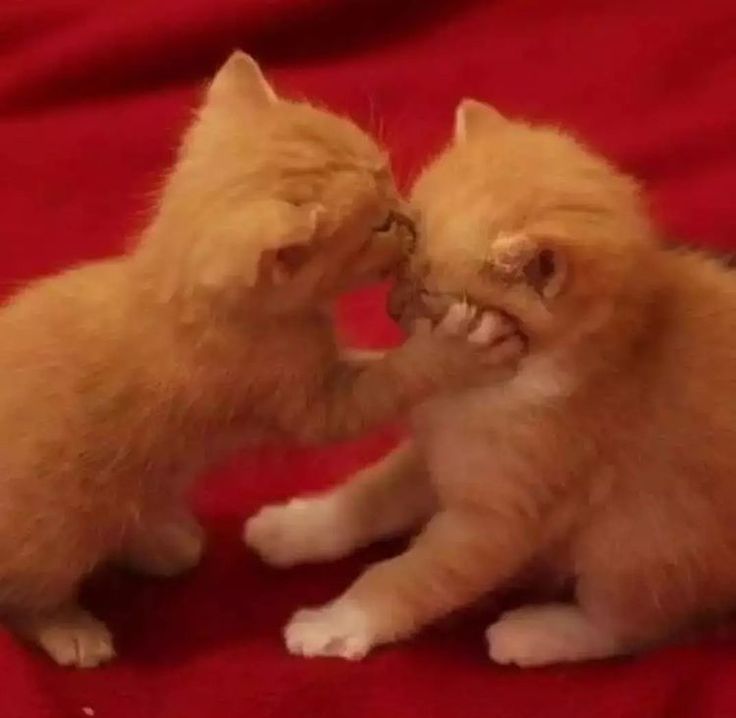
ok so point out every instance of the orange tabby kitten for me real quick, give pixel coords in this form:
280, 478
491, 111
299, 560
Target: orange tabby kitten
123, 378
609, 457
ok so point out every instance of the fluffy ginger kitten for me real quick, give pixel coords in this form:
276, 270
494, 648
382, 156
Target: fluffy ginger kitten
609, 458
123, 378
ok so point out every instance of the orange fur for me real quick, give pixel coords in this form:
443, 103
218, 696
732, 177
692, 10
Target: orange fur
610, 455
121, 379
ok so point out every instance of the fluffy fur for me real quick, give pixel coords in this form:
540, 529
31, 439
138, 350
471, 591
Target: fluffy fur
609, 458
121, 379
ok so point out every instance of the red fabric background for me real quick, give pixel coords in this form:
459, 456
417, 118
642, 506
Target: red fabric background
92, 97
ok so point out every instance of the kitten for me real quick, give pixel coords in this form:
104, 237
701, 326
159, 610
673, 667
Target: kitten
123, 378
608, 458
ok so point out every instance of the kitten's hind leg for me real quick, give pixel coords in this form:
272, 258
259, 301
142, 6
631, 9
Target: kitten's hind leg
552, 633
383, 500
70, 635
164, 545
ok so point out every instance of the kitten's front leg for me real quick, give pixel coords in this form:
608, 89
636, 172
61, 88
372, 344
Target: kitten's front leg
352, 398
391, 496
455, 560
164, 544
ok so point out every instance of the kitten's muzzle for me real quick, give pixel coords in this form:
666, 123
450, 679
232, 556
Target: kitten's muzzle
408, 301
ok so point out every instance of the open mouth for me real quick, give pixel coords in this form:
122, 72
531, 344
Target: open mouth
409, 302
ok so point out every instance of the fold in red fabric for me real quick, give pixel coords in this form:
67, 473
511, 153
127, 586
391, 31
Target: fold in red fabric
92, 99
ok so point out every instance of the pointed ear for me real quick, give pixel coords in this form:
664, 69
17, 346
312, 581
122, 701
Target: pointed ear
240, 80
473, 118
542, 266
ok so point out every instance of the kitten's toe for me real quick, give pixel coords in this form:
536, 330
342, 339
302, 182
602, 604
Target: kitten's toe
492, 327
541, 635
76, 639
340, 629
458, 320
300, 531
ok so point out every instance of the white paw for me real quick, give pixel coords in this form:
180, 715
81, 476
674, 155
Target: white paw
340, 629
539, 636
300, 531
81, 642
510, 643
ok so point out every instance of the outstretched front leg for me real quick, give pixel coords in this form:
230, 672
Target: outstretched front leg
456, 559
388, 498
352, 397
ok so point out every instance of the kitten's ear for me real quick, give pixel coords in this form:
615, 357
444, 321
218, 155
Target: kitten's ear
264, 244
541, 265
278, 264
240, 80
474, 118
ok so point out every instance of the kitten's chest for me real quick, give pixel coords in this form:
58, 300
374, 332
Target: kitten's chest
476, 440
461, 443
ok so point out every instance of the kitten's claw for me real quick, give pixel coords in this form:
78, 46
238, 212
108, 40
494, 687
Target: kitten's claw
340, 629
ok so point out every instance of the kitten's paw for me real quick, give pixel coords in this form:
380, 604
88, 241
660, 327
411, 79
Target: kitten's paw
458, 320
542, 635
72, 639
166, 549
300, 531
340, 629
511, 642
481, 328
493, 337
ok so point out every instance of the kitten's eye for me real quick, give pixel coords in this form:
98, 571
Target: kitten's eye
395, 219
387, 223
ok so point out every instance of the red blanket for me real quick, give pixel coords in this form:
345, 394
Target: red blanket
92, 98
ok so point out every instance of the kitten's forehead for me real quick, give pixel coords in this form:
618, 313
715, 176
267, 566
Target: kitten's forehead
522, 180
336, 136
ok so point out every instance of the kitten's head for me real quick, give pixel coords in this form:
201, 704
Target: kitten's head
527, 220
276, 199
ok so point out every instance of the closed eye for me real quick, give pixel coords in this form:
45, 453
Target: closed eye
410, 231
387, 223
